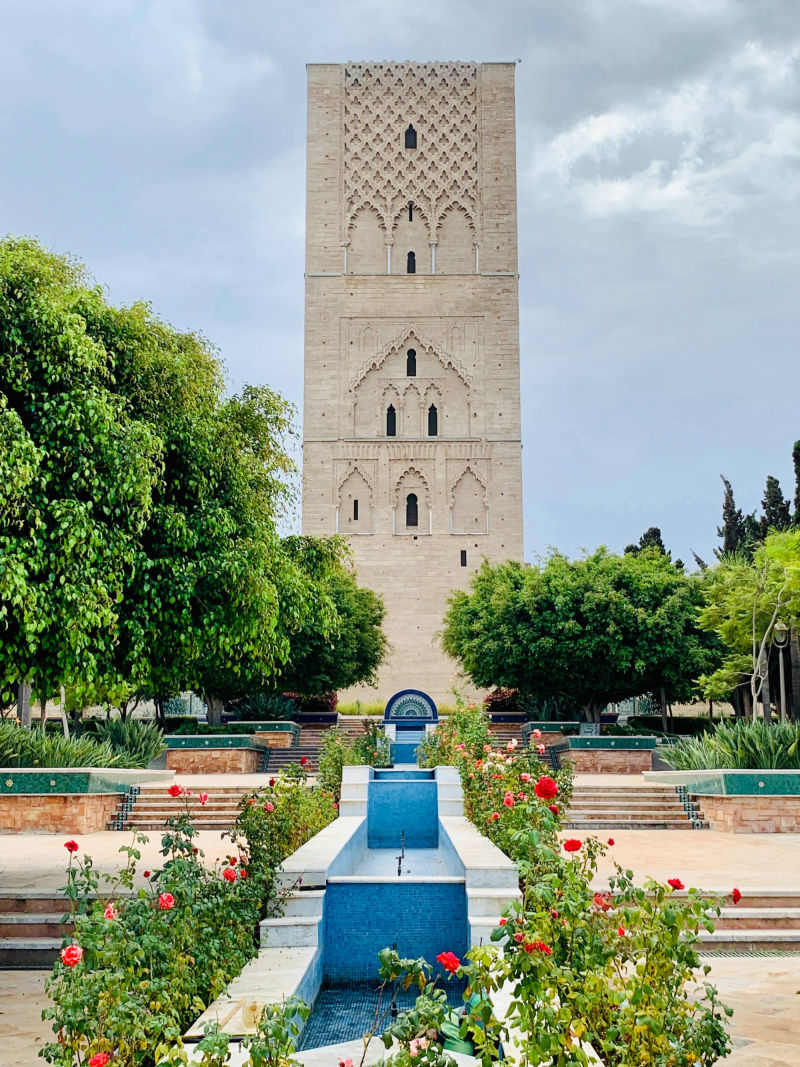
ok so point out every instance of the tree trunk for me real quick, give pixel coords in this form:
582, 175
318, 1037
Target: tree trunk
794, 659
663, 700
214, 714
161, 719
43, 712
24, 704
213, 705
747, 701
64, 716
765, 696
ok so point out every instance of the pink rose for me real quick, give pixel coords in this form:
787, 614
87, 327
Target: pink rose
166, 901
537, 733
110, 912
269, 806
203, 799
72, 955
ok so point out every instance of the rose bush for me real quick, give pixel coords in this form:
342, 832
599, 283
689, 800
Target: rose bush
617, 969
143, 963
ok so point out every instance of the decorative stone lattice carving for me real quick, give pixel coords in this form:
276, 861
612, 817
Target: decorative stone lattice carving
410, 336
441, 101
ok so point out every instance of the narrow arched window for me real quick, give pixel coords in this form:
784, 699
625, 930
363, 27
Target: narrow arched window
355, 511
391, 421
411, 363
411, 137
412, 515
411, 264
433, 421
410, 212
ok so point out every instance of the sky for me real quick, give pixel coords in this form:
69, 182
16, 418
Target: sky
162, 142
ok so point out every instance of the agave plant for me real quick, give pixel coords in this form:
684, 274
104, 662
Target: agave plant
743, 745
35, 748
140, 742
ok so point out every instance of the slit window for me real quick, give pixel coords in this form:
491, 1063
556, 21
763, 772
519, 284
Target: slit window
411, 137
391, 421
433, 421
463, 557
412, 510
411, 263
355, 510
410, 212
411, 363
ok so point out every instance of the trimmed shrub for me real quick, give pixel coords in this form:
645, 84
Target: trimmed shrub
321, 704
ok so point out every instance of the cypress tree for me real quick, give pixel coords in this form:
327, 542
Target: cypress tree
733, 531
777, 510
796, 461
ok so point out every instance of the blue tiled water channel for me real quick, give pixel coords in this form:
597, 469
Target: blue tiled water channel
403, 888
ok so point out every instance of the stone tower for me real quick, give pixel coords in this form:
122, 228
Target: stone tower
411, 428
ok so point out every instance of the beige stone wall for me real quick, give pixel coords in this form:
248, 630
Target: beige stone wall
751, 815
608, 761
458, 316
57, 813
213, 760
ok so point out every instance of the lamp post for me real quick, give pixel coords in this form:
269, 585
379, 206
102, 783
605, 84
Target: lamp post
780, 638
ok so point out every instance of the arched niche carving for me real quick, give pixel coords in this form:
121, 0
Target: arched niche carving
468, 504
355, 503
412, 482
366, 253
455, 252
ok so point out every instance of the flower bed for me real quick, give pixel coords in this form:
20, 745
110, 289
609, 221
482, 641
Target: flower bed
615, 969
142, 965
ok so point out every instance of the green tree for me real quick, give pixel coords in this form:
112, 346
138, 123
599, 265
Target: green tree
738, 532
593, 630
78, 475
356, 645
777, 510
745, 598
796, 463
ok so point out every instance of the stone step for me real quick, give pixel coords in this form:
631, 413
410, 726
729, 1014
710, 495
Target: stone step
209, 808
154, 823
30, 953
486, 902
17, 925
742, 940
632, 824
294, 931
637, 815
738, 917
640, 805
307, 902
14, 903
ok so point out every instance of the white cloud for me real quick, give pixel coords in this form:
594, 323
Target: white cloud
698, 152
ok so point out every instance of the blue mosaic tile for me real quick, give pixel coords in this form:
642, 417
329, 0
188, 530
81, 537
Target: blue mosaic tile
397, 807
420, 918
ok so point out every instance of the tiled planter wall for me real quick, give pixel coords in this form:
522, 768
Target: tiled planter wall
56, 813
274, 740
753, 814
608, 760
213, 760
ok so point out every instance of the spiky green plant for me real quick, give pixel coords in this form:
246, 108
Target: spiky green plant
739, 746
35, 748
142, 741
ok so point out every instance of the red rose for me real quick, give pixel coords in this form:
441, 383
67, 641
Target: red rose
72, 955
166, 901
736, 896
146, 874
572, 844
508, 800
494, 816
232, 861
553, 808
546, 788
621, 931
229, 874
519, 936
542, 947
242, 872
303, 761
251, 801
503, 922
272, 782
100, 1059
611, 840
528, 946
554, 913
525, 777
676, 883
203, 799
174, 790
71, 846
602, 901
449, 961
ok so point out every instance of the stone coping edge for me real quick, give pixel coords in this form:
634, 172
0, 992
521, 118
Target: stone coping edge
746, 783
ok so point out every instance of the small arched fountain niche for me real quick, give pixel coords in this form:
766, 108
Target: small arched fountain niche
409, 715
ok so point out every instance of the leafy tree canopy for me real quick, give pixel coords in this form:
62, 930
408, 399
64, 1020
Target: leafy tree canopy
593, 630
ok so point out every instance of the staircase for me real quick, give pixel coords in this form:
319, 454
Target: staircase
153, 805
280, 758
767, 921
501, 733
596, 807
31, 929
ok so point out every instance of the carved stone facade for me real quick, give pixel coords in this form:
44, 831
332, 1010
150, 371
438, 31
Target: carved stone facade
411, 412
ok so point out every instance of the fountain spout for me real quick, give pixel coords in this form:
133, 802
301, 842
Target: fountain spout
402, 853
